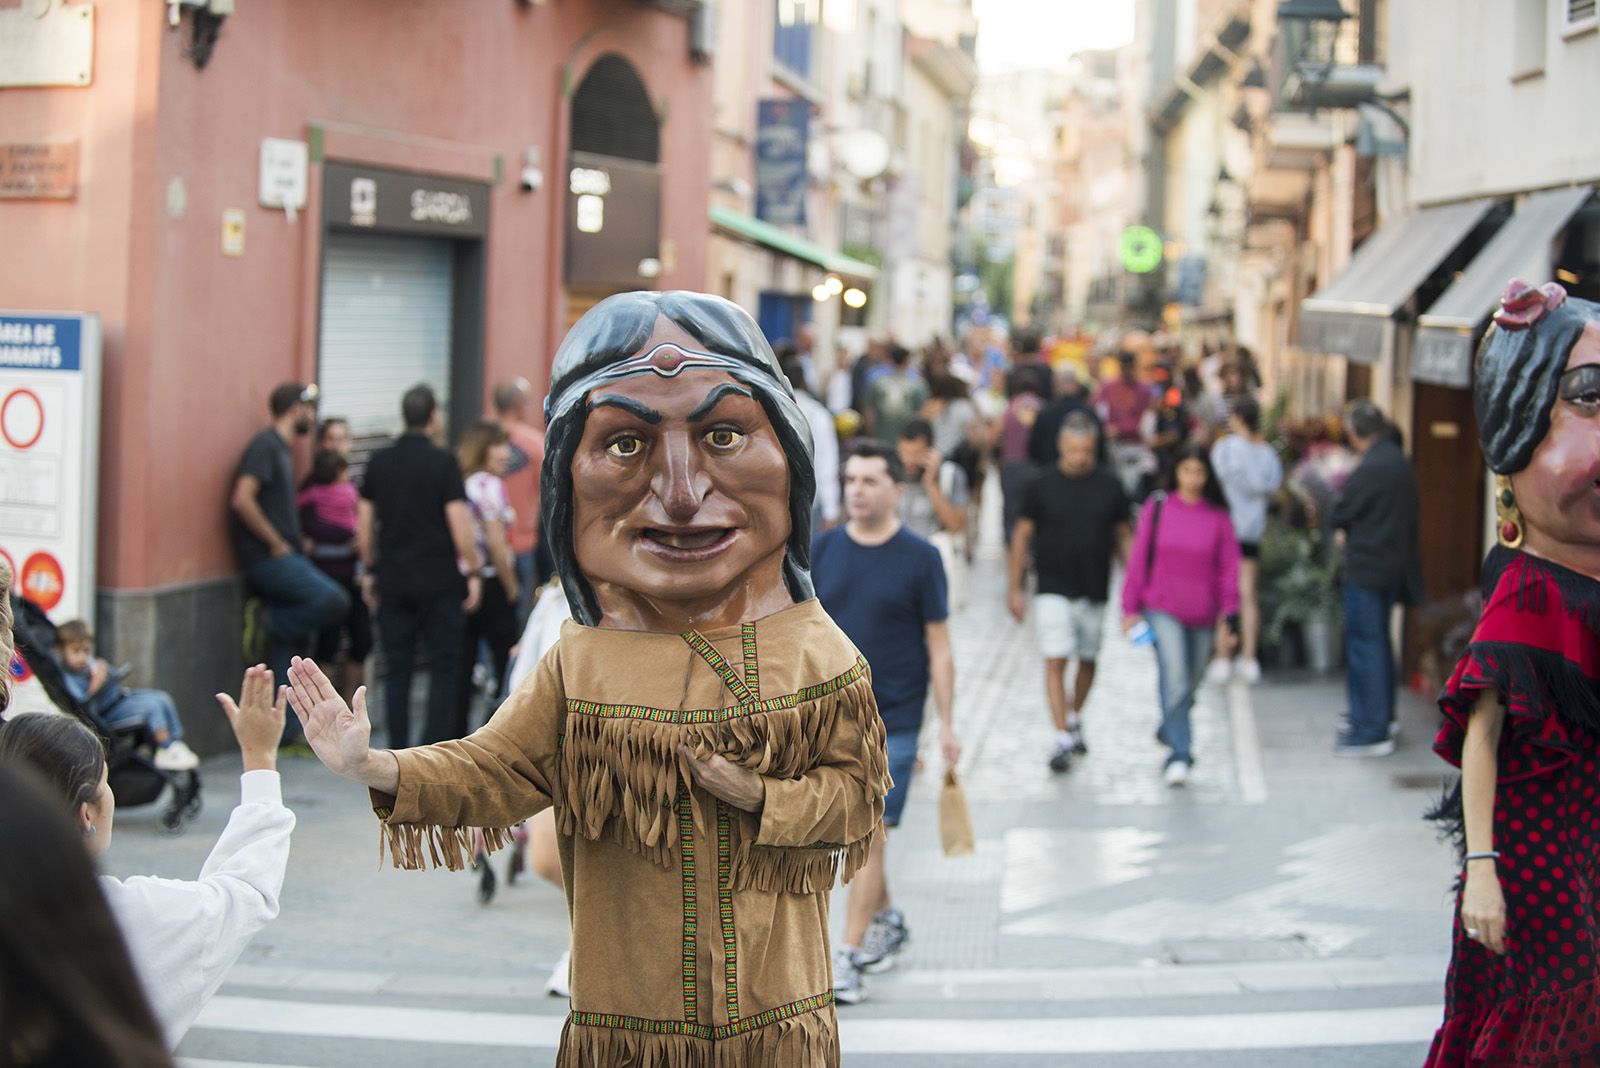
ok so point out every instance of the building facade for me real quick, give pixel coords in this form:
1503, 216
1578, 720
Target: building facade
463, 187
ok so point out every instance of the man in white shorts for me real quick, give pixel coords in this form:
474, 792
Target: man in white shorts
1074, 518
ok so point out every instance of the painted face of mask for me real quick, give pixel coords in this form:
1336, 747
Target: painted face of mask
680, 494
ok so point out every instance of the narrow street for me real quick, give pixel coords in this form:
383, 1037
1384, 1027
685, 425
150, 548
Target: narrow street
1285, 908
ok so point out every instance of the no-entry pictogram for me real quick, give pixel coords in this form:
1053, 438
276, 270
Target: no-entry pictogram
42, 580
21, 418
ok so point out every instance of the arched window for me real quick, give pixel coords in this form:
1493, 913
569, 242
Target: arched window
611, 113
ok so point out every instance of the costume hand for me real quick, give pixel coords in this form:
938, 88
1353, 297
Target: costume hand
257, 720
738, 786
339, 735
1483, 907
474, 594
949, 746
1018, 605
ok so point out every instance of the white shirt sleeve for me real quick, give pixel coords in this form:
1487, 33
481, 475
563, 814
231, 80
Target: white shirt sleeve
185, 936
543, 630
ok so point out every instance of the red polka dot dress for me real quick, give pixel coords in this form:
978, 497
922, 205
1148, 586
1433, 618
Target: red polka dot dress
1536, 644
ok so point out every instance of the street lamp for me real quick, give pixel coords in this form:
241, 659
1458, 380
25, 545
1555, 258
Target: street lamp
1310, 31
1310, 34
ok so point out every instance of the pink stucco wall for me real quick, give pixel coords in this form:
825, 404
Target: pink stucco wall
194, 340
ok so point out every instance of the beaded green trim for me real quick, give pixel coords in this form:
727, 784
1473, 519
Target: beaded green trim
709, 654
730, 947
708, 1032
691, 908
699, 716
752, 671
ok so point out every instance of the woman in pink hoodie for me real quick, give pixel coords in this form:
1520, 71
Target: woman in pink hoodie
1183, 579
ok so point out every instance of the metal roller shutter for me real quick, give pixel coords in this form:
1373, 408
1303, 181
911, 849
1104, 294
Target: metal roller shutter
386, 318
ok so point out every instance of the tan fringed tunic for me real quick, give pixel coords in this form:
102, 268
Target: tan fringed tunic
699, 931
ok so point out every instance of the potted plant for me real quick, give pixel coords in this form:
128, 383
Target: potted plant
1299, 578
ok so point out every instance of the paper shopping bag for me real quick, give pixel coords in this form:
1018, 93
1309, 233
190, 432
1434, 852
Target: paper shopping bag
955, 821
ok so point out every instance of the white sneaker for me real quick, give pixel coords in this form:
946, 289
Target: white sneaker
1219, 672
176, 757
847, 988
1250, 671
1177, 773
557, 985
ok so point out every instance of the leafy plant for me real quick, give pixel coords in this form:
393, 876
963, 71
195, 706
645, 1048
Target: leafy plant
1299, 579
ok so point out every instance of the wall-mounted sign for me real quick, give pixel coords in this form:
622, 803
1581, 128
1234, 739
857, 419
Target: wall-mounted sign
782, 129
283, 173
49, 445
46, 42
401, 202
39, 171
613, 221
233, 231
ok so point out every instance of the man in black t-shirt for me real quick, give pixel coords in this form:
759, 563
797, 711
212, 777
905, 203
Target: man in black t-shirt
420, 567
292, 598
1074, 517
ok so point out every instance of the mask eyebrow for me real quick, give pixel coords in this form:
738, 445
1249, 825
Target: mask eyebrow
713, 398
627, 404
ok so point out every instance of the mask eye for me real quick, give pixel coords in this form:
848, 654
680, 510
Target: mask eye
723, 437
625, 447
1581, 385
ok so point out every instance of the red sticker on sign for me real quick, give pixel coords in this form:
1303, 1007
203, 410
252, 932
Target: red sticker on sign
42, 581
22, 418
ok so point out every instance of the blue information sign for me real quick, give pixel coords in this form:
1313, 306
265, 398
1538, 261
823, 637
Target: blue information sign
41, 342
782, 127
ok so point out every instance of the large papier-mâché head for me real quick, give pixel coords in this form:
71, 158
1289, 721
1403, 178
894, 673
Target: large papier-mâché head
676, 443
1537, 397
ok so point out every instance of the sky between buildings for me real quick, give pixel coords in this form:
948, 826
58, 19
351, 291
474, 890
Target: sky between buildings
1030, 34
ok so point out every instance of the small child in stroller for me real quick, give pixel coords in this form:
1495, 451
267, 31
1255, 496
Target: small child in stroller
99, 688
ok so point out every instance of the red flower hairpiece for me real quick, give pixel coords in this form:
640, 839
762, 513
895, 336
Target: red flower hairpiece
1523, 305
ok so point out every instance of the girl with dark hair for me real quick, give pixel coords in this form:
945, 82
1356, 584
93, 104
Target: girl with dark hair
69, 995
329, 503
183, 936
1183, 580
1522, 711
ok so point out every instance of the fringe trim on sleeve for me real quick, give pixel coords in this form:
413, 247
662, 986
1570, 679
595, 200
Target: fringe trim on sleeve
621, 769
809, 1040
447, 847
799, 871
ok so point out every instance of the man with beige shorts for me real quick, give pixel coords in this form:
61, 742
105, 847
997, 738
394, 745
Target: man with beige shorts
1074, 518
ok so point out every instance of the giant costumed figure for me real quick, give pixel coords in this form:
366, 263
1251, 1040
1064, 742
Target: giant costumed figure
705, 733
1522, 711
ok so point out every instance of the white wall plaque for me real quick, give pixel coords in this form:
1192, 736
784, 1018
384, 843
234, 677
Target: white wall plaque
46, 42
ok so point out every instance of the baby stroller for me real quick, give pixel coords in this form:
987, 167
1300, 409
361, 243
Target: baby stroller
130, 767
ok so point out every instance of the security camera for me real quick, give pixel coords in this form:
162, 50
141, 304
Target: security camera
532, 179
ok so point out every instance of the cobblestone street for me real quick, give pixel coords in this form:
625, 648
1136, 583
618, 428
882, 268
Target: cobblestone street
1286, 908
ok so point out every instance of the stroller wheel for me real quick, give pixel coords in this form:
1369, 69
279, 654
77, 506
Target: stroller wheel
486, 879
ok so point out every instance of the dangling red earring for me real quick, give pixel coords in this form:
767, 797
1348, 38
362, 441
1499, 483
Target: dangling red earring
1507, 512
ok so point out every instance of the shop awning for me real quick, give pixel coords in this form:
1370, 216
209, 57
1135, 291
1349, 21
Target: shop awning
746, 228
1445, 331
1350, 316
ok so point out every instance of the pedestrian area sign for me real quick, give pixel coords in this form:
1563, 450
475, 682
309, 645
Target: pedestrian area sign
49, 451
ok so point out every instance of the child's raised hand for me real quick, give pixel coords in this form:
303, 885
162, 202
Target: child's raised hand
257, 720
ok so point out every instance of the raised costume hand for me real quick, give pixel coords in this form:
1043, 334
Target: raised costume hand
338, 734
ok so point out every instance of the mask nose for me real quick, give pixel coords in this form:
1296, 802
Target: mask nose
679, 484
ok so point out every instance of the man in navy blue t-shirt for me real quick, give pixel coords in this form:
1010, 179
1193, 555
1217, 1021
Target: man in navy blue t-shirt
885, 587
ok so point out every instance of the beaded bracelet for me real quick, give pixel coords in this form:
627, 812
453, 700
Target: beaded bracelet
1490, 855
